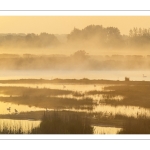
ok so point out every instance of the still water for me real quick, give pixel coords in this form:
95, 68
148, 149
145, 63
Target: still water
75, 74
72, 87
106, 109
27, 125
9, 108
106, 130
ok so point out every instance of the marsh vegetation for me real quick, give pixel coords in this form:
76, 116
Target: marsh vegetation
111, 106
55, 123
72, 83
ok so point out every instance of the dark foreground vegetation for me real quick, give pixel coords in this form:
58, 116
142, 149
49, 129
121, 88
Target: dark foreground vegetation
68, 122
139, 125
63, 123
57, 123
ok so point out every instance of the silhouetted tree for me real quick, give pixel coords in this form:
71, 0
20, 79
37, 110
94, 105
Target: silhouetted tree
97, 34
140, 38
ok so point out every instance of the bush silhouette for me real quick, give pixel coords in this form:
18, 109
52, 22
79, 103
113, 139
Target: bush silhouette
63, 123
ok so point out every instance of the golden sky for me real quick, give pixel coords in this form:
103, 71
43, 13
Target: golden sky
65, 24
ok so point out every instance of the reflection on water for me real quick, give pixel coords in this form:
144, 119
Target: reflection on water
4, 95
25, 125
96, 97
133, 111
9, 108
106, 130
107, 110
72, 87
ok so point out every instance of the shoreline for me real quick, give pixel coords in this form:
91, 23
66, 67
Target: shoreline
70, 81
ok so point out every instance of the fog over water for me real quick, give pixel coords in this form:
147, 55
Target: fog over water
46, 74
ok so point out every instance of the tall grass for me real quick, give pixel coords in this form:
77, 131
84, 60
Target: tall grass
56, 122
63, 123
139, 125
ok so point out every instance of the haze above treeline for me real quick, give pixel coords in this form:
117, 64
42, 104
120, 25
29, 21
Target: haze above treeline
94, 39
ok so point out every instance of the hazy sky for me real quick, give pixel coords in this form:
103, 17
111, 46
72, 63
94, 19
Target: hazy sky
65, 24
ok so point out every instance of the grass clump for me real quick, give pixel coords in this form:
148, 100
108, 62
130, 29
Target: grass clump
63, 123
139, 125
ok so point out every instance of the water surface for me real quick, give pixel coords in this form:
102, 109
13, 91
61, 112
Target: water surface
135, 75
106, 130
27, 125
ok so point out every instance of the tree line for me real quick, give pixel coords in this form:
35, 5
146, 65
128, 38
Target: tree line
90, 36
28, 40
80, 60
